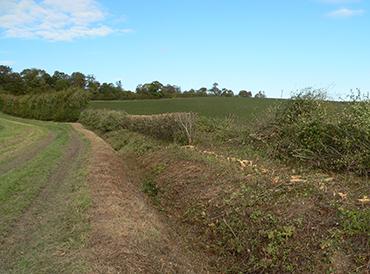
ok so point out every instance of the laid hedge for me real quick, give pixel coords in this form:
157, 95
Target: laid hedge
171, 126
308, 129
59, 106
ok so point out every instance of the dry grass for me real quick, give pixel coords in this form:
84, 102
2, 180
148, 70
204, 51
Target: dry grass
128, 235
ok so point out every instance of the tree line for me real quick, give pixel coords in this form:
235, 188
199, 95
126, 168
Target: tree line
38, 81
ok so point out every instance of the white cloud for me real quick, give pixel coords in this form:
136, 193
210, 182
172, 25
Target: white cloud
340, 1
345, 13
55, 20
7, 62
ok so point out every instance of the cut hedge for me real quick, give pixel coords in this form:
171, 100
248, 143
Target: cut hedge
171, 126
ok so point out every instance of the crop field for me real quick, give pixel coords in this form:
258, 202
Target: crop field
213, 107
42, 196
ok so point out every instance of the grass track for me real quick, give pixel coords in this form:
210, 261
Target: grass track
43, 200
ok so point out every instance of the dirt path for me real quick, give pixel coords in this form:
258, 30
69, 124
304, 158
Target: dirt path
128, 236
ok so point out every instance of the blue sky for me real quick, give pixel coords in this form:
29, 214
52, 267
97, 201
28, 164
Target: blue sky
241, 44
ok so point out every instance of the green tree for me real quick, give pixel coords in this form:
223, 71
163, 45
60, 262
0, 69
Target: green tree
227, 92
36, 80
11, 82
260, 94
215, 90
153, 89
60, 80
78, 80
244, 93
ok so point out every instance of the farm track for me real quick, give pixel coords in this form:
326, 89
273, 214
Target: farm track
48, 233
22, 233
128, 236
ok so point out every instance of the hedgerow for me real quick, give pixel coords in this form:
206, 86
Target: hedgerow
53, 106
171, 126
308, 129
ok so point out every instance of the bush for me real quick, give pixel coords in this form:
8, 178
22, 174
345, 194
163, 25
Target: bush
63, 106
171, 127
308, 129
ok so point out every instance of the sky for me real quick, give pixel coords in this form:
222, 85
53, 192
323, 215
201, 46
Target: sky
278, 46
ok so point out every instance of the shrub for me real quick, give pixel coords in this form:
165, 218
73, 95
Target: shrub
56, 106
307, 129
172, 126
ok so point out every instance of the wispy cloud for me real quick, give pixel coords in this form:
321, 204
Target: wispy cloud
340, 1
346, 13
55, 20
7, 62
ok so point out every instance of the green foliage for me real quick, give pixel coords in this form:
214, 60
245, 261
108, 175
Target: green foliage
307, 129
57, 106
355, 222
170, 127
149, 187
103, 120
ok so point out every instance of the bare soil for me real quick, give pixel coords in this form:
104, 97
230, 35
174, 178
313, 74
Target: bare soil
128, 235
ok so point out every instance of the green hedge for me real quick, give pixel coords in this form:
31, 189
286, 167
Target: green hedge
63, 106
171, 127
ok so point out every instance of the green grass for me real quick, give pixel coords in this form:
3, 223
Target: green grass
213, 107
46, 219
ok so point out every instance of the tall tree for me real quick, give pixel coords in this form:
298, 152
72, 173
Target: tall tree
78, 80
215, 90
11, 81
60, 80
36, 80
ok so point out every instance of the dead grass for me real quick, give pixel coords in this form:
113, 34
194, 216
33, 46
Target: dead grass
128, 235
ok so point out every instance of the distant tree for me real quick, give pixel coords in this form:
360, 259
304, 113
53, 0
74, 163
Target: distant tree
119, 85
227, 92
260, 94
92, 84
244, 93
189, 93
215, 90
10, 81
202, 92
36, 80
153, 89
171, 91
78, 80
60, 80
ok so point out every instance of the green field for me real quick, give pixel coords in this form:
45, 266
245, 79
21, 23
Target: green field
42, 196
215, 107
